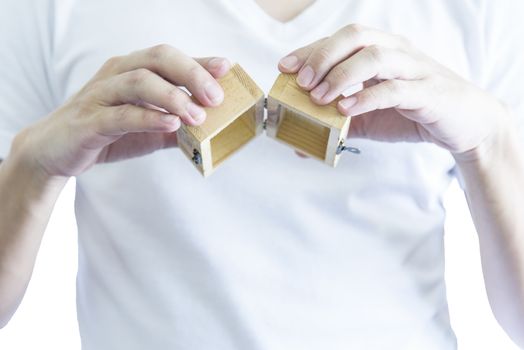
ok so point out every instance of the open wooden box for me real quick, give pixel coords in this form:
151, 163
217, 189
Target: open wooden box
317, 131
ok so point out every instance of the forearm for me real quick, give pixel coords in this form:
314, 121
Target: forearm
494, 184
27, 199
100, 123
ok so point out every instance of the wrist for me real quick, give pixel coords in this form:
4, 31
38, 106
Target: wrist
22, 164
500, 143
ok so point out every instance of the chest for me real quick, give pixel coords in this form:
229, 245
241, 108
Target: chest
87, 37
91, 32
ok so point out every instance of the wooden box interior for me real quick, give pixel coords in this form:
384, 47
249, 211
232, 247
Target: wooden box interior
233, 137
303, 134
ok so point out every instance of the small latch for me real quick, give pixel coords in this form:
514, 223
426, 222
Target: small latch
265, 102
197, 157
341, 148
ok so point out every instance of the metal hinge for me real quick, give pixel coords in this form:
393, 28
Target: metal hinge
264, 122
341, 148
197, 157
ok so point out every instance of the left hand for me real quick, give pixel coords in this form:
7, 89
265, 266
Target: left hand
407, 96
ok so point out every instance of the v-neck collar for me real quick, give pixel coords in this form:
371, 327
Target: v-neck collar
254, 16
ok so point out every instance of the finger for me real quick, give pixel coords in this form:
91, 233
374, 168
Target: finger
121, 120
170, 140
387, 126
372, 62
217, 66
295, 60
343, 44
142, 86
137, 144
175, 67
401, 94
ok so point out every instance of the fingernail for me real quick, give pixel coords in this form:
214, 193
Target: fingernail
196, 112
214, 93
305, 77
320, 91
215, 62
289, 62
348, 102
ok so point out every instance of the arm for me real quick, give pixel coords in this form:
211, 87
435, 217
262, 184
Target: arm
28, 196
494, 184
407, 96
131, 107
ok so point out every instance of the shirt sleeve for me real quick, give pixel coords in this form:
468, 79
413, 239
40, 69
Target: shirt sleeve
26, 93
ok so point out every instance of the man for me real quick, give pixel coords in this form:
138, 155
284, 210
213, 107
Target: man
272, 251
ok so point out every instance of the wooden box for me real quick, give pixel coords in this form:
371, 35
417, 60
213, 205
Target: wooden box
292, 118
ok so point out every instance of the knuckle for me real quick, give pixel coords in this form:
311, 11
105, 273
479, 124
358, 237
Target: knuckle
196, 73
150, 120
112, 63
173, 94
320, 56
354, 30
323, 54
145, 116
339, 74
393, 86
20, 139
138, 76
149, 117
175, 97
368, 96
90, 90
375, 53
158, 52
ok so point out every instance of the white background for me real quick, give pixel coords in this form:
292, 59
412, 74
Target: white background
47, 319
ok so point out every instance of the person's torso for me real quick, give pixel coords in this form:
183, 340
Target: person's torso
272, 251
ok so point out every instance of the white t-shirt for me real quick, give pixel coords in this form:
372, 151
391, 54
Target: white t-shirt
272, 251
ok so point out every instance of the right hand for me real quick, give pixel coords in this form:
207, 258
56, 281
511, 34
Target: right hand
131, 107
